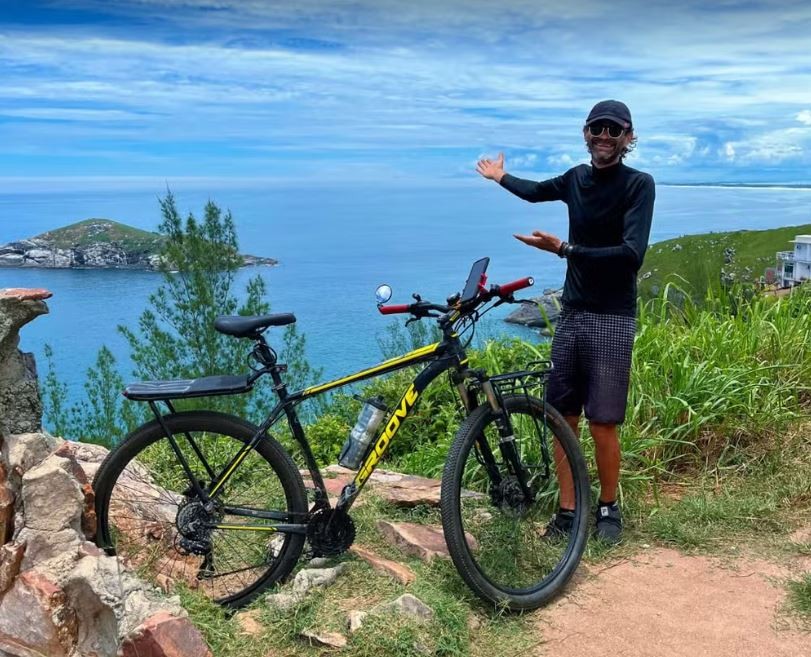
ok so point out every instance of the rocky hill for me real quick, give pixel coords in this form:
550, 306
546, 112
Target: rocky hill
94, 244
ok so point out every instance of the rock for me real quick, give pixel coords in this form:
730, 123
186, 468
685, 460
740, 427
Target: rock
96, 244
11, 558
248, 622
409, 605
87, 455
308, 578
77, 469
52, 496
7, 499
282, 601
25, 294
20, 402
397, 571
423, 541
21, 452
329, 639
355, 620
541, 312
54, 550
319, 562
108, 592
35, 619
164, 635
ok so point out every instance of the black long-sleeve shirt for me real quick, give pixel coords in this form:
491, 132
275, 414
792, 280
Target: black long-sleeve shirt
610, 214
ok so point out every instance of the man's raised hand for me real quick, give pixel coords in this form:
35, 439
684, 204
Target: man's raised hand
492, 169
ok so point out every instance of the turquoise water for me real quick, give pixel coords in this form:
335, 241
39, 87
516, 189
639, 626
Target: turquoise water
335, 245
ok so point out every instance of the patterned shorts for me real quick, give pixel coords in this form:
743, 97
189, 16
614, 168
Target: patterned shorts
591, 355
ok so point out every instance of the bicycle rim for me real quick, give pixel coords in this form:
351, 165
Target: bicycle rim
501, 542
151, 518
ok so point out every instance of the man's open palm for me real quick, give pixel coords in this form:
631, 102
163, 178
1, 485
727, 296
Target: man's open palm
540, 240
492, 169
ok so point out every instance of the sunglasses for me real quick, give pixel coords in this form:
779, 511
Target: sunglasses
615, 130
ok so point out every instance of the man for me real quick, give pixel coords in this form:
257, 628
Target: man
610, 212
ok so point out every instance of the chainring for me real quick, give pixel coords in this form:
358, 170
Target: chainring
330, 532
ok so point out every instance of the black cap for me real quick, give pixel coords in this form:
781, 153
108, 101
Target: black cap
613, 110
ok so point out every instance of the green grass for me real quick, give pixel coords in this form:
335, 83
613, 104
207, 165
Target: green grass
461, 625
699, 261
800, 596
91, 231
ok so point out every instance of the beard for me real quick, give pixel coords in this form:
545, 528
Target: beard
604, 151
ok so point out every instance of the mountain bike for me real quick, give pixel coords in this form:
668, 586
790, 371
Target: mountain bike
214, 502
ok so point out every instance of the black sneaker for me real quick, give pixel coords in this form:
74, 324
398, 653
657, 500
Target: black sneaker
609, 523
560, 526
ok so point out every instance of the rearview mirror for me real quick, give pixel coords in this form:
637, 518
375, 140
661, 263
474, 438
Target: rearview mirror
382, 294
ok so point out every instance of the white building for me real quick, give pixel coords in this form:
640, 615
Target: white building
794, 267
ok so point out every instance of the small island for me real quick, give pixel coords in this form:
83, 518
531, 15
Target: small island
95, 244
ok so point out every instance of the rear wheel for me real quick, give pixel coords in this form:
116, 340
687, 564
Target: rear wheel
149, 515
497, 537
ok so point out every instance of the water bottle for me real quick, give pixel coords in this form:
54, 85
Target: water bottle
365, 428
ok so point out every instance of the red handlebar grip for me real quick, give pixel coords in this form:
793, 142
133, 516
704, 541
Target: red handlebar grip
391, 310
520, 284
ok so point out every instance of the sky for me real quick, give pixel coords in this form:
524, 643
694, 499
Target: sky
312, 92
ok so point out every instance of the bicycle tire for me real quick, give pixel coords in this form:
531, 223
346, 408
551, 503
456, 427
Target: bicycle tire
478, 531
139, 513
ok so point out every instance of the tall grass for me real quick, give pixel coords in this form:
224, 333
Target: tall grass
706, 380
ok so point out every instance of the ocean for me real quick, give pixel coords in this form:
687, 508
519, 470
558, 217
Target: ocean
335, 245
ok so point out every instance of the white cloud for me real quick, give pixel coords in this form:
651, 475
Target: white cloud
394, 81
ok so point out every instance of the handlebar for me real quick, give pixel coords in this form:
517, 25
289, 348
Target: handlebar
514, 286
423, 308
391, 310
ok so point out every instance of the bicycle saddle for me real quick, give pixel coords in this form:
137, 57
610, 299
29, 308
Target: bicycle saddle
251, 326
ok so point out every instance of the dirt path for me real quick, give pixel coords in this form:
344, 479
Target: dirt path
662, 603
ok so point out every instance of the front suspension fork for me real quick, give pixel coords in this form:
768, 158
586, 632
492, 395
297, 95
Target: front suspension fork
506, 443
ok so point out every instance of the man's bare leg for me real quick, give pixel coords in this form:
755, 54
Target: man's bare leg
607, 448
563, 469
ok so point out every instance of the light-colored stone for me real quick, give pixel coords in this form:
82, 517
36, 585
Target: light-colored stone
22, 451
54, 550
282, 601
52, 496
308, 578
329, 639
409, 605
397, 571
164, 635
249, 623
131, 600
355, 620
87, 455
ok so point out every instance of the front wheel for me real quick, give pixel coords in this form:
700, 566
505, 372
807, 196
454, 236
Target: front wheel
503, 542
150, 516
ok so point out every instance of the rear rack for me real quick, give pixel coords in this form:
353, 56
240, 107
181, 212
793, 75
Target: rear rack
531, 381
185, 388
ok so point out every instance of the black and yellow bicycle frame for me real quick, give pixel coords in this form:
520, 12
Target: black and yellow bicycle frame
440, 357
